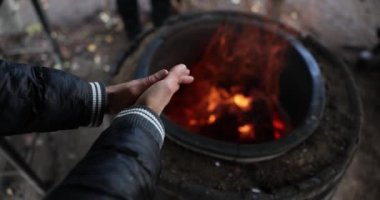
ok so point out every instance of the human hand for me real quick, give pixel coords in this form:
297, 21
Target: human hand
157, 96
124, 95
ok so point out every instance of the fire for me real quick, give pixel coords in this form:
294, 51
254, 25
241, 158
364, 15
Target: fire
235, 95
278, 124
193, 122
242, 101
211, 119
246, 132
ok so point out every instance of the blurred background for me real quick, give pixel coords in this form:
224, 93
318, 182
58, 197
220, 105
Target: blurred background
92, 39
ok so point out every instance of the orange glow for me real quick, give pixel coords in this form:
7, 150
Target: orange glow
246, 132
235, 94
211, 119
192, 122
242, 101
215, 98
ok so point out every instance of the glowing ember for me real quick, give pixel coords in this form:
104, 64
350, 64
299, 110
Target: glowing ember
193, 122
278, 125
235, 95
211, 119
242, 101
246, 132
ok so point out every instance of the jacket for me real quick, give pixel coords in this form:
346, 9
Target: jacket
123, 163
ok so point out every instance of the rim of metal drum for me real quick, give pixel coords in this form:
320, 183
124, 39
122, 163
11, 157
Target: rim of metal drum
242, 152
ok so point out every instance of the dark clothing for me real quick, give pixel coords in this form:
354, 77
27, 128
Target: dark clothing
42, 99
124, 161
129, 12
161, 10
122, 164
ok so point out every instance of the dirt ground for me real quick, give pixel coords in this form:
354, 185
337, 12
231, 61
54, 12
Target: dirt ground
92, 46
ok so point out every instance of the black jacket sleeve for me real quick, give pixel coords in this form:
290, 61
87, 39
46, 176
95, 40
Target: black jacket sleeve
41, 99
122, 164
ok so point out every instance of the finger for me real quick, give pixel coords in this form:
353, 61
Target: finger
186, 79
178, 68
161, 74
178, 71
150, 80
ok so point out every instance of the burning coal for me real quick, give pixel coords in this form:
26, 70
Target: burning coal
235, 95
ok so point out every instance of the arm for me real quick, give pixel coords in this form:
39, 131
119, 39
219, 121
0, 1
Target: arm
42, 99
124, 162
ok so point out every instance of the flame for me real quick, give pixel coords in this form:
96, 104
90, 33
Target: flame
215, 98
211, 119
242, 101
235, 95
246, 132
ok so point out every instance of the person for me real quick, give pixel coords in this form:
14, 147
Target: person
124, 162
129, 13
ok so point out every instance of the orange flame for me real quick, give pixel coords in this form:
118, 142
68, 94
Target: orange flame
235, 95
242, 101
211, 119
246, 132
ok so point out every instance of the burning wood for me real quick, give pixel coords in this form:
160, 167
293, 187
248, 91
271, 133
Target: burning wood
235, 95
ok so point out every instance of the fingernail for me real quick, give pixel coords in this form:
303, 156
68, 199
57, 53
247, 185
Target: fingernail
183, 66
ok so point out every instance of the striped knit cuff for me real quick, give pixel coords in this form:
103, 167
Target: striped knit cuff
98, 103
142, 116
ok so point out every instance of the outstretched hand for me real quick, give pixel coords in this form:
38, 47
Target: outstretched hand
123, 95
159, 94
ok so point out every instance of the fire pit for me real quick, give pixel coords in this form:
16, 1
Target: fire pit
198, 164
258, 91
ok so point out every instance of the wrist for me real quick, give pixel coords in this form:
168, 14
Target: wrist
109, 95
143, 117
98, 102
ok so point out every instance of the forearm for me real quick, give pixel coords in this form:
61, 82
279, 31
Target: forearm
43, 99
124, 162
